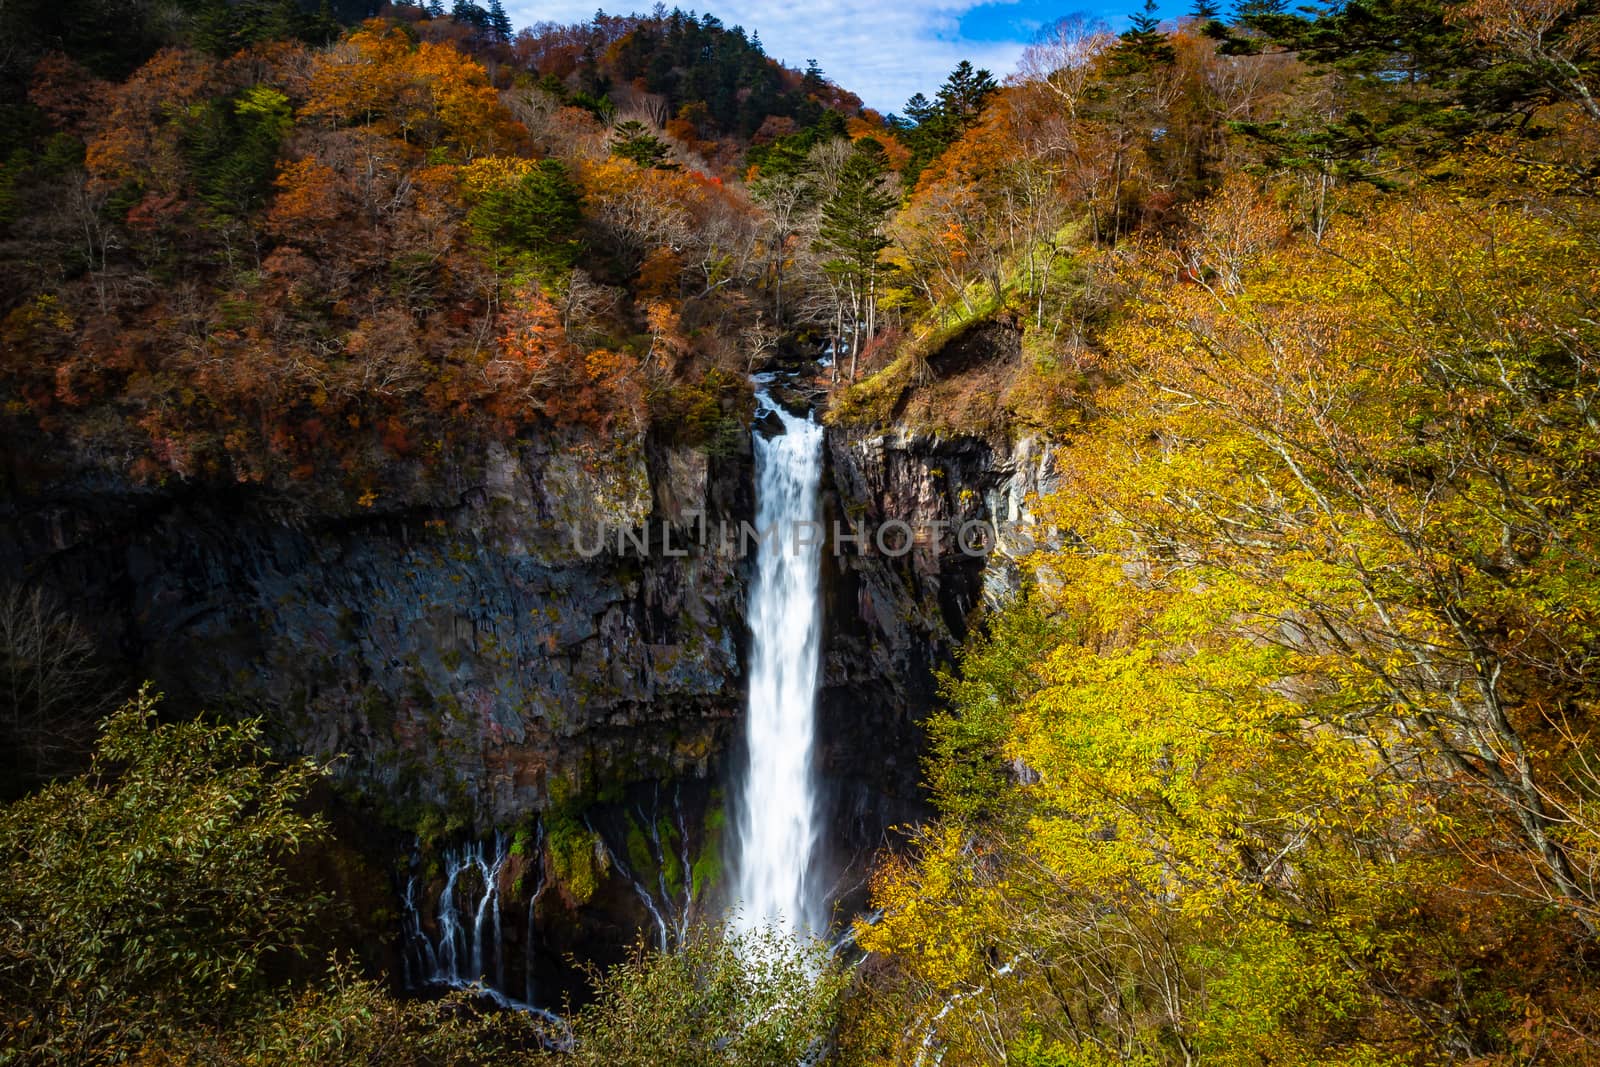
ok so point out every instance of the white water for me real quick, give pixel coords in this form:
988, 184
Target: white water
469, 953
778, 819
469, 947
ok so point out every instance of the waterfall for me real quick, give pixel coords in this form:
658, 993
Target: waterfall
468, 948
469, 951
778, 821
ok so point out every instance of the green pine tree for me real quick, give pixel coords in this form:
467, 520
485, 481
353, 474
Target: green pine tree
632, 140
1142, 46
499, 21
851, 232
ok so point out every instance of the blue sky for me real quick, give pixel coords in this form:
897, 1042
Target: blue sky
884, 50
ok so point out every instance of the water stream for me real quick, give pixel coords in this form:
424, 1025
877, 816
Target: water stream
778, 825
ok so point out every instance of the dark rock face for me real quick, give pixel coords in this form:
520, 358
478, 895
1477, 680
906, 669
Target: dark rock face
548, 627
895, 617
462, 653
984, 343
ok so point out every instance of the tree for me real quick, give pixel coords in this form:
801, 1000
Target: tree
1207, 16
919, 109
1418, 620
534, 217
1556, 38
1419, 624
344, 1018
498, 21
1305, 700
53, 690
1064, 61
752, 1000
935, 125
964, 93
1143, 47
431, 95
987, 211
232, 148
468, 13
851, 232
150, 894
789, 200
633, 141
813, 82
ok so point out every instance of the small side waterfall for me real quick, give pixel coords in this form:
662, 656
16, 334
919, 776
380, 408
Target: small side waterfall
778, 823
468, 946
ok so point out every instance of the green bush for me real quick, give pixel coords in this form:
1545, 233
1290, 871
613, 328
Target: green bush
150, 894
752, 1000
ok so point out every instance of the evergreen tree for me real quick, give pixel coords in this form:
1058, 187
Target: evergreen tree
963, 94
930, 126
435, 9
813, 82
1143, 46
470, 14
852, 231
499, 21
1257, 9
1422, 84
1207, 17
536, 220
919, 109
633, 141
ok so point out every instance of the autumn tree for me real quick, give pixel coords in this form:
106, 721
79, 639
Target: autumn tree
788, 201
988, 211
428, 94
1298, 696
1557, 39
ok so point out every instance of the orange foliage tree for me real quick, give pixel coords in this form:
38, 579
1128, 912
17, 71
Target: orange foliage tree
536, 368
430, 95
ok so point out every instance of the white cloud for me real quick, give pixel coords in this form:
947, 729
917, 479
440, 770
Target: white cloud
882, 50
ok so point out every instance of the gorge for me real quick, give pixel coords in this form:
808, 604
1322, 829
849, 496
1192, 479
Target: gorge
416, 647
544, 751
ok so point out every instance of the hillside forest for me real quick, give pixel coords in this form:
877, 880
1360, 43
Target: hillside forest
1287, 752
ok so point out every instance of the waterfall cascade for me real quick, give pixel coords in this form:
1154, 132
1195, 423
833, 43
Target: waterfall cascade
778, 824
468, 948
